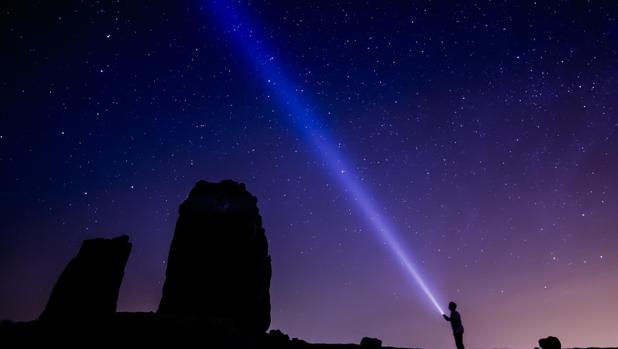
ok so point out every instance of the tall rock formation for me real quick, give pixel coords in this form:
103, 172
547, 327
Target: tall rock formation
88, 287
218, 268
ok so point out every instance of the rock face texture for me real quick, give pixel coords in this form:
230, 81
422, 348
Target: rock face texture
88, 287
219, 270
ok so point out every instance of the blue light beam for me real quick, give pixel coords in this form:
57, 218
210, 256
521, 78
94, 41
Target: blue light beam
289, 95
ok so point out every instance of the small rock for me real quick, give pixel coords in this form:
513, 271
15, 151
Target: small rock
371, 343
88, 287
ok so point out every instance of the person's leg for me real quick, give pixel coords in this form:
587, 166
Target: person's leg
459, 340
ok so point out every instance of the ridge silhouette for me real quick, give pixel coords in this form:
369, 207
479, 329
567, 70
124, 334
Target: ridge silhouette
216, 291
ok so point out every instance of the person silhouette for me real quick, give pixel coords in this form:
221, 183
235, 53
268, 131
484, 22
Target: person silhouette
455, 320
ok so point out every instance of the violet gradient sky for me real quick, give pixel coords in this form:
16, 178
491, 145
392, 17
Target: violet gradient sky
486, 132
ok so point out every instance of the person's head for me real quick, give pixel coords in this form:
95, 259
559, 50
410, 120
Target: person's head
452, 306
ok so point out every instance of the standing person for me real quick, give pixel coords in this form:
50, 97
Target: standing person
455, 320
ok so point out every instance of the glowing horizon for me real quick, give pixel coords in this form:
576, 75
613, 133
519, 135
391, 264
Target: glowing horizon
252, 45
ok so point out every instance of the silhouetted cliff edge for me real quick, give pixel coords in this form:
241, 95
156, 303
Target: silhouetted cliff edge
216, 292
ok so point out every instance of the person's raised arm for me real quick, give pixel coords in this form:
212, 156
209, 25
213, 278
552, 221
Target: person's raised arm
446, 317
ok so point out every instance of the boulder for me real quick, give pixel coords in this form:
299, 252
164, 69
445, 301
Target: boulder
370, 343
550, 342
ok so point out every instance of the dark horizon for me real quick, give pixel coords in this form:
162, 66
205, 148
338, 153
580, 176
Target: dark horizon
485, 132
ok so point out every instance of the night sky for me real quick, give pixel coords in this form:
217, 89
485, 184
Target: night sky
485, 133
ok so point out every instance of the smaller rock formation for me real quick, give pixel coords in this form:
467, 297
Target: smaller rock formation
88, 287
275, 339
370, 343
550, 342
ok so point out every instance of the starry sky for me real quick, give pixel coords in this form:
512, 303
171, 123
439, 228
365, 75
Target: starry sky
484, 131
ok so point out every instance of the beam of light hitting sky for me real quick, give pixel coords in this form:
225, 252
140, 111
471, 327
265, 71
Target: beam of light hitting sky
289, 95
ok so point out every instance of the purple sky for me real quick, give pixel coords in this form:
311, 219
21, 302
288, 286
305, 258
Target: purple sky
485, 133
